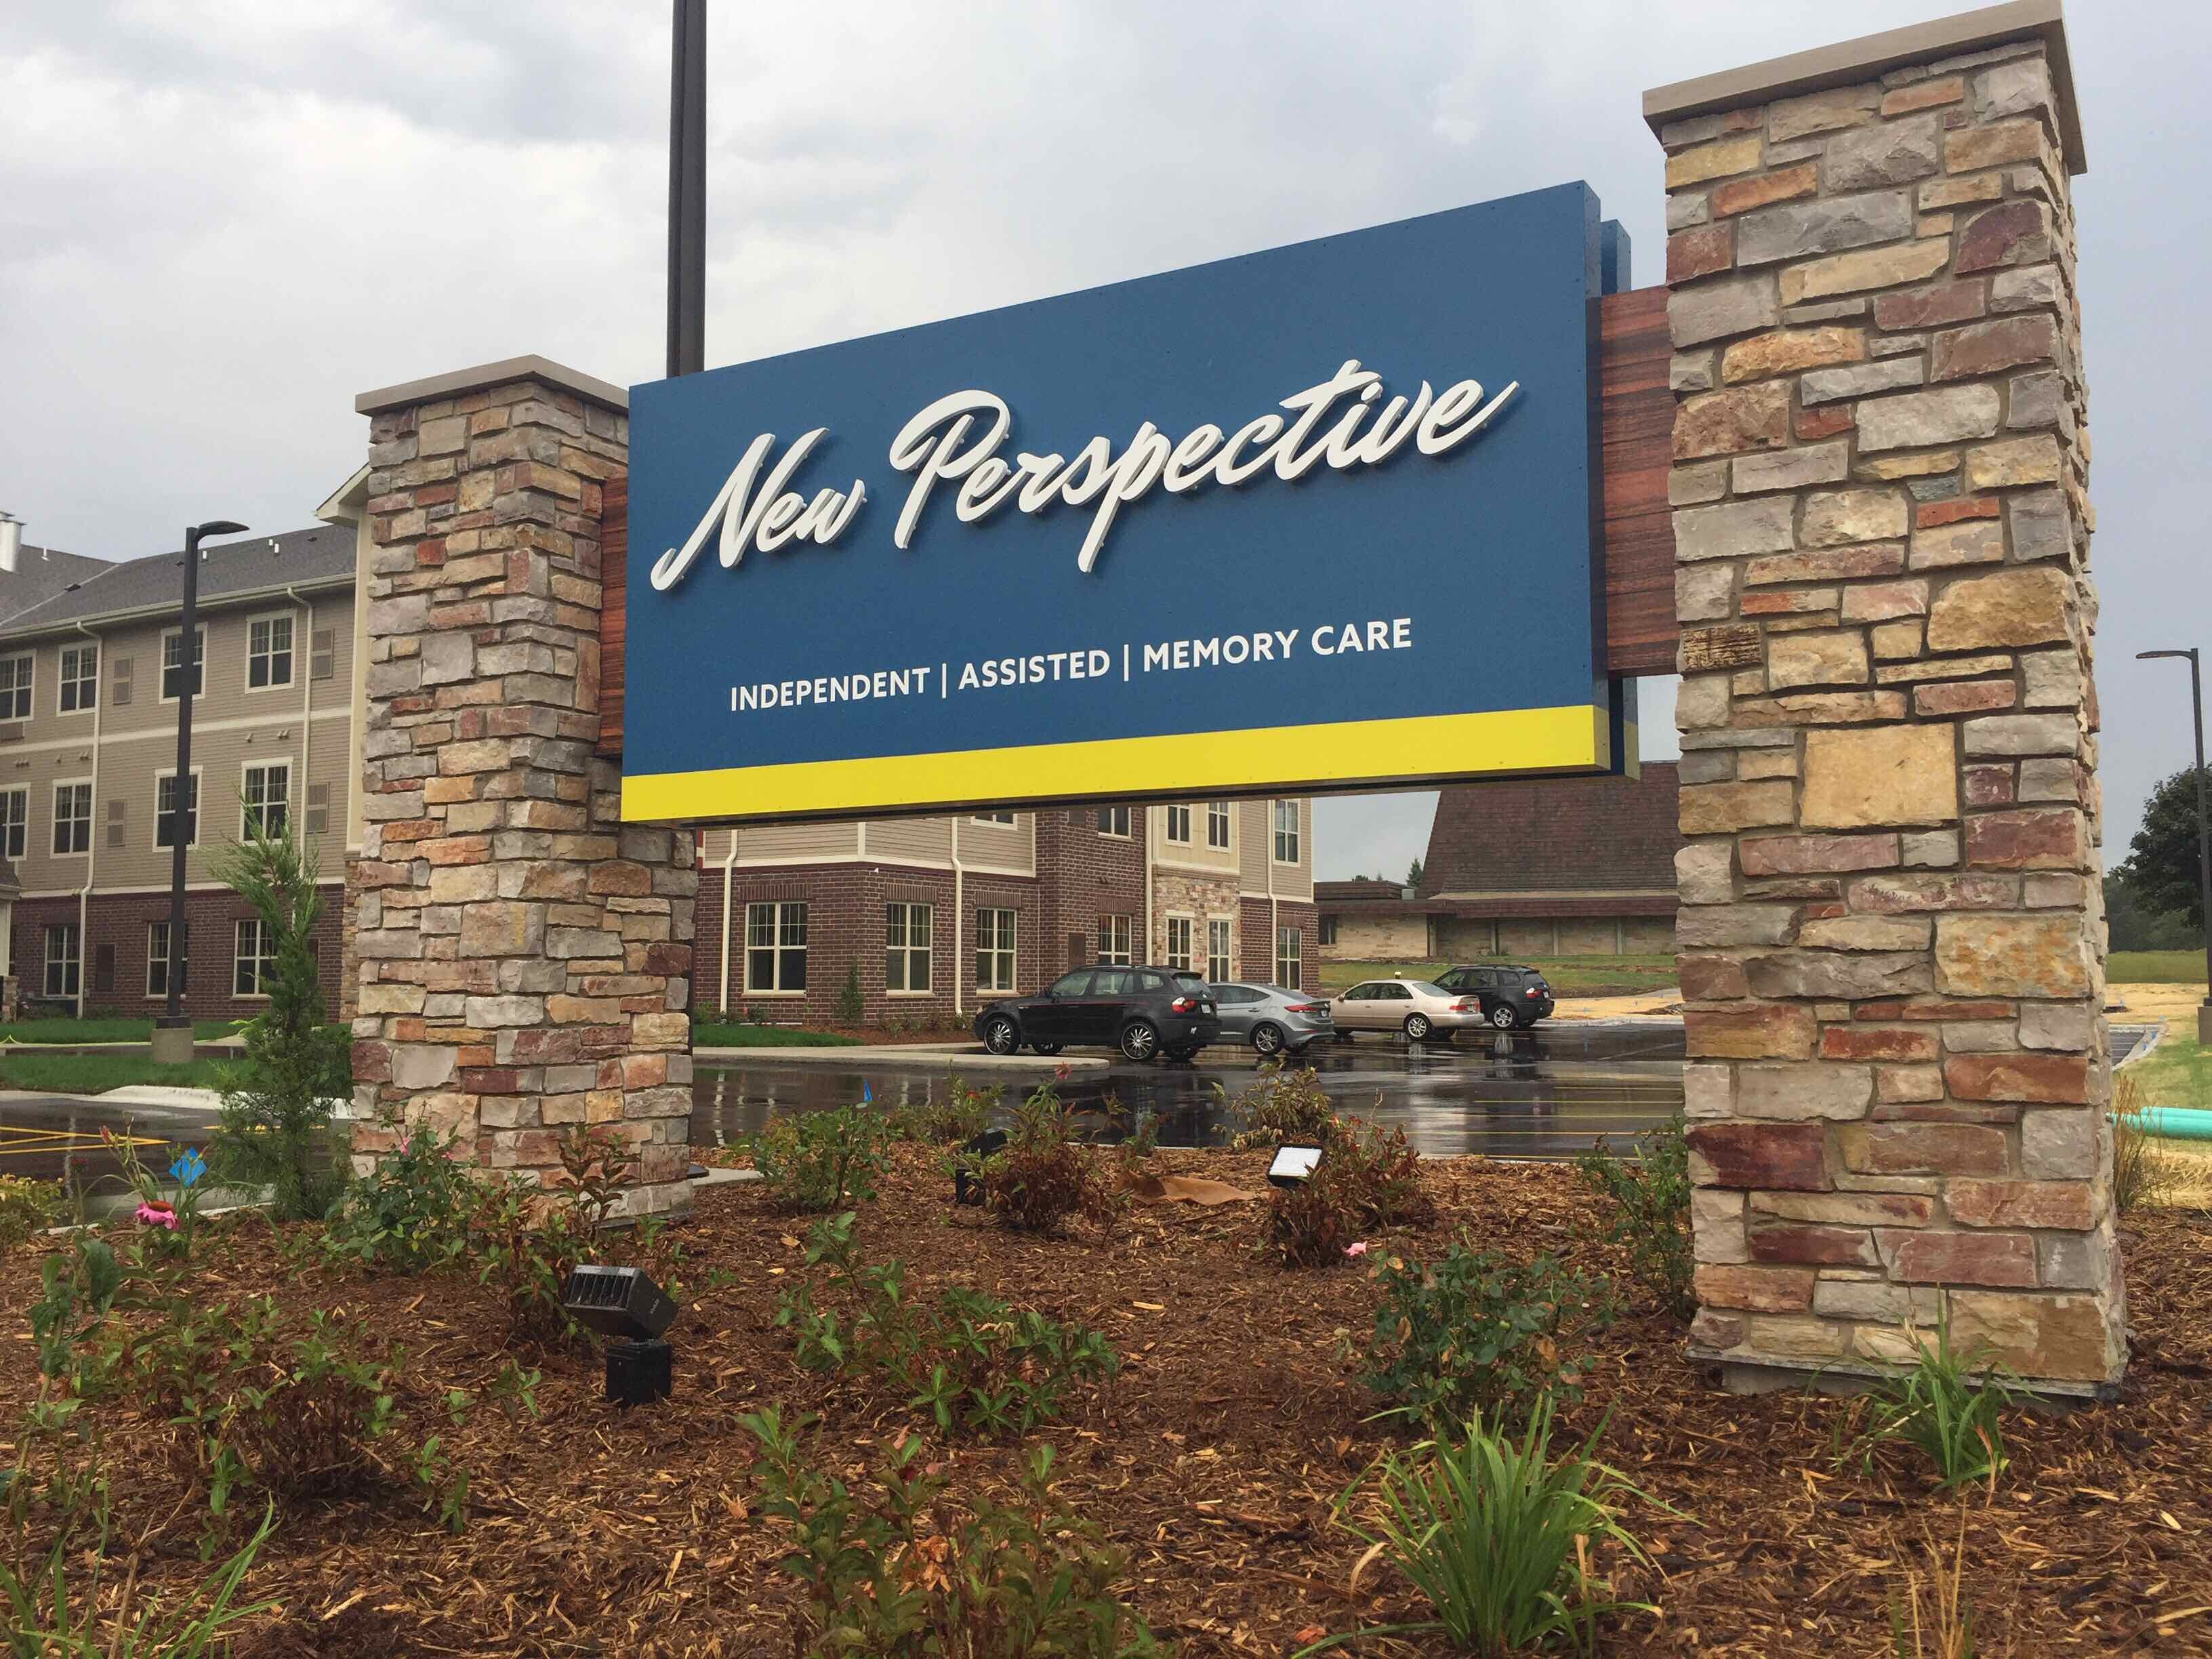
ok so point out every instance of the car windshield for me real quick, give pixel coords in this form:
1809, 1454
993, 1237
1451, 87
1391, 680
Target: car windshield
1425, 989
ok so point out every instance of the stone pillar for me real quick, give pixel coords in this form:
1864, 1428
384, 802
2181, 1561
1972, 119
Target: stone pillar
1893, 930
524, 957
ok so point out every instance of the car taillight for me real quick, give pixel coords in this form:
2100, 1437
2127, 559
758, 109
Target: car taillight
1181, 1005
1531, 991
1463, 1007
1305, 1007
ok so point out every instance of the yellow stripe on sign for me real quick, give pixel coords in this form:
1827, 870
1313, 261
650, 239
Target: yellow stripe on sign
1342, 752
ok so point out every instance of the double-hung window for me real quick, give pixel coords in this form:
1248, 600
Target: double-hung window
64, 960
1179, 825
72, 818
80, 678
1217, 824
1216, 949
172, 825
157, 959
995, 950
1113, 940
267, 800
1289, 956
1179, 941
256, 961
173, 663
776, 947
16, 687
14, 821
268, 653
1287, 832
995, 817
906, 946
1114, 821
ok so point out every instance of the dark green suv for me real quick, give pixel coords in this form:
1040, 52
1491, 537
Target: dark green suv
1511, 997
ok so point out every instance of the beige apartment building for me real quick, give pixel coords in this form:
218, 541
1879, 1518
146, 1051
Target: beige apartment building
927, 918
92, 660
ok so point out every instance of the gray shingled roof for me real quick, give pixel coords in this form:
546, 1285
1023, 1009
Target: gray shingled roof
40, 574
318, 557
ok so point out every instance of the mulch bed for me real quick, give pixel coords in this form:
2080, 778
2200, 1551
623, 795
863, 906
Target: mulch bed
1213, 1460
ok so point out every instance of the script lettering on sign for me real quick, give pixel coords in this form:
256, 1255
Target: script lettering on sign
1343, 421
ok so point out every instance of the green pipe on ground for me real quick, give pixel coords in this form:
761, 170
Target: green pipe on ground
2177, 1122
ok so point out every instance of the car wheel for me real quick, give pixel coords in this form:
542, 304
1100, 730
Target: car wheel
1139, 1040
1417, 1027
1266, 1040
1046, 1049
1001, 1036
1504, 1018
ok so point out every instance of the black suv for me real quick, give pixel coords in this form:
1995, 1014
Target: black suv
1146, 1012
1510, 997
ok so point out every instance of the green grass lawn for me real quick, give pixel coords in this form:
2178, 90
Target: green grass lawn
1568, 976
2155, 968
2178, 1072
66, 1032
94, 1074
705, 1035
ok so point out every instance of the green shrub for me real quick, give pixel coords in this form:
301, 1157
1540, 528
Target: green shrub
977, 1366
1369, 1179
1045, 1176
914, 1574
275, 1127
1938, 1407
949, 1115
1475, 1333
850, 1008
44, 1617
1650, 1216
1281, 1105
27, 1209
410, 1214
75, 1292
1494, 1536
815, 1162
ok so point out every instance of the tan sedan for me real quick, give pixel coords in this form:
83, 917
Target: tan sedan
1414, 1006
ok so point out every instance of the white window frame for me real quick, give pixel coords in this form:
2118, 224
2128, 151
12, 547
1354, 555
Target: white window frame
1221, 931
995, 962
162, 666
1278, 835
291, 679
246, 772
1289, 968
54, 826
905, 951
1004, 819
1180, 959
1218, 814
1327, 928
15, 825
1113, 939
86, 685
70, 961
264, 957
1174, 813
776, 948
23, 692
1114, 815
162, 923
198, 799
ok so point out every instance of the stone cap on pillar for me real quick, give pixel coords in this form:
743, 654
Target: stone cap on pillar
460, 382
1871, 57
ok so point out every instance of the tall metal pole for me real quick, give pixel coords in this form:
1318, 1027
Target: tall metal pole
687, 190
2203, 830
172, 1015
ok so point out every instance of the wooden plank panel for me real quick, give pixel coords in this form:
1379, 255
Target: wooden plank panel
1636, 424
614, 608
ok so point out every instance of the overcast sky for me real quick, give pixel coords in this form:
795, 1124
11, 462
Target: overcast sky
219, 222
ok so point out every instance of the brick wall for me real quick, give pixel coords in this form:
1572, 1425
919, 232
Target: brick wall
119, 921
1555, 835
1258, 940
1092, 875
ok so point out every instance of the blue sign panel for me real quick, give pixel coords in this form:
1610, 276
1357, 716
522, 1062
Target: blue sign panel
1315, 518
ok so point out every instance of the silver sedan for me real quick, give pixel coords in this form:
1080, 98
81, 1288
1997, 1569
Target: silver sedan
1411, 1006
1270, 1018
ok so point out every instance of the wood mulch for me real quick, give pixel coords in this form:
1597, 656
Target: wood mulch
1213, 1460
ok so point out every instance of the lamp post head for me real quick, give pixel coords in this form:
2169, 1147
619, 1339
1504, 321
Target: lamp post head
217, 527
2145, 656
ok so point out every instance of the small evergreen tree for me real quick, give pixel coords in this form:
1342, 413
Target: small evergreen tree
1413, 873
851, 1008
275, 1126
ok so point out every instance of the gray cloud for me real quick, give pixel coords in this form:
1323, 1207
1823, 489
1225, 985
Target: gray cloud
220, 222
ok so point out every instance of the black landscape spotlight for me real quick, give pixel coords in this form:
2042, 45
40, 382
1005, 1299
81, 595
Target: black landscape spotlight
1293, 1166
967, 1168
630, 1310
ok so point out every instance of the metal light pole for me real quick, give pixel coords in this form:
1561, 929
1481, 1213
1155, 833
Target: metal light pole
2203, 831
172, 1032
687, 190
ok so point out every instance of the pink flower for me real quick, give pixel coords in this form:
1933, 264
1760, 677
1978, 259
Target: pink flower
1062, 1072
1360, 1249
150, 1216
